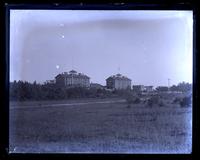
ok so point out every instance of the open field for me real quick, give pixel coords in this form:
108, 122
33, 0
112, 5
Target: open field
99, 127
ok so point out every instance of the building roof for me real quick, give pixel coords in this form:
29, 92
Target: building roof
142, 86
119, 77
149, 86
138, 86
96, 85
72, 73
162, 87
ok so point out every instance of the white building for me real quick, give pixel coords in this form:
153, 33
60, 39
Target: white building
118, 82
72, 79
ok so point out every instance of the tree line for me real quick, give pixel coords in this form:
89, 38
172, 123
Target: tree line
181, 87
23, 90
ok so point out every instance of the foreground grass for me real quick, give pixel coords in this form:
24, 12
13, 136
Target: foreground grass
101, 128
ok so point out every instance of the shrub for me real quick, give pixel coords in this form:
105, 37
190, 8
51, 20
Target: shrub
153, 100
176, 100
186, 101
161, 104
150, 102
130, 99
137, 100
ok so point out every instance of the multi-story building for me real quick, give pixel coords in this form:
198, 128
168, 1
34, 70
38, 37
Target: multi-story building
72, 79
118, 82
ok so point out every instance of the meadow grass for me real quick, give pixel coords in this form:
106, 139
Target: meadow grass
97, 128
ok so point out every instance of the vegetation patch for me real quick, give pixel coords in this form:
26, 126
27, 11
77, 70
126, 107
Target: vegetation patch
186, 102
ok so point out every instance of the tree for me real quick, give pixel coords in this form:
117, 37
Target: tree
186, 101
162, 88
184, 87
153, 100
174, 88
34, 91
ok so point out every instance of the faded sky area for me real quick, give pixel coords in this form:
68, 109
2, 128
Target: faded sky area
147, 46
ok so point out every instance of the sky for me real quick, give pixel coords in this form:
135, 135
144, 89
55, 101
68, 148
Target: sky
149, 47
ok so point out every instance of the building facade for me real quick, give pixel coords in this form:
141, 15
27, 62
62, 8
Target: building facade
72, 79
142, 88
138, 88
149, 88
118, 82
50, 82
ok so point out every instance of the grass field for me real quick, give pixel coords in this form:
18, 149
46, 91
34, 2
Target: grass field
97, 128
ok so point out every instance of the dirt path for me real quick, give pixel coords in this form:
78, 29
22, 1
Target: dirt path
67, 104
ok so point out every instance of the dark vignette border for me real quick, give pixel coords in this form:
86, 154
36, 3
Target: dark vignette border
135, 5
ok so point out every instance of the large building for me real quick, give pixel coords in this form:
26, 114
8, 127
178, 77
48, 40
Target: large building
72, 79
118, 82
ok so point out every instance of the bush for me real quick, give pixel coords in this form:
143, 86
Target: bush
176, 100
153, 100
161, 104
129, 106
186, 102
130, 99
137, 100
150, 102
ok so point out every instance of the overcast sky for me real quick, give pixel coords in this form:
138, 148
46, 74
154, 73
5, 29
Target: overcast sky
147, 46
